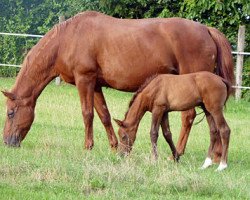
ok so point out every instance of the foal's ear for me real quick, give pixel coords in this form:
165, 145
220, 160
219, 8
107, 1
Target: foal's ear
119, 122
9, 95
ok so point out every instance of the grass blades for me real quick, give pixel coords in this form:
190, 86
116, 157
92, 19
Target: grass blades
52, 164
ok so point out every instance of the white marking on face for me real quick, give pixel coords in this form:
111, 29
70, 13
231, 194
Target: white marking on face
208, 162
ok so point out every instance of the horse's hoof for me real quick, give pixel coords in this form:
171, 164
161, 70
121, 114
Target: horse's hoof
208, 162
89, 146
221, 167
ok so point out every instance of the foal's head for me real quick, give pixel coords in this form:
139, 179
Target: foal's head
126, 137
20, 115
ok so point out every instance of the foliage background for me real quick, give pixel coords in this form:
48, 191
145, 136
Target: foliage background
39, 16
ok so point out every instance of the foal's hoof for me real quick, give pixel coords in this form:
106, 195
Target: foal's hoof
170, 158
174, 158
208, 162
221, 167
177, 158
114, 147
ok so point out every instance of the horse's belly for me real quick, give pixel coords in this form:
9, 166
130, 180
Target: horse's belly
127, 72
131, 78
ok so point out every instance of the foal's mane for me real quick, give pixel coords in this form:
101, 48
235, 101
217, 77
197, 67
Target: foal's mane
141, 88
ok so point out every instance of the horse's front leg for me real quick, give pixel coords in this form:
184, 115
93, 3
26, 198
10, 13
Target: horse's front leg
156, 120
103, 113
187, 118
85, 85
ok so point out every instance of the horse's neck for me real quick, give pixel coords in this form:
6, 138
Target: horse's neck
30, 83
38, 67
136, 112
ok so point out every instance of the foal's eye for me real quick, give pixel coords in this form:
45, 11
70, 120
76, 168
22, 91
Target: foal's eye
125, 137
10, 114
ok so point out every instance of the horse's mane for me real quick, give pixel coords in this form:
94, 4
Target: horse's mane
141, 88
43, 54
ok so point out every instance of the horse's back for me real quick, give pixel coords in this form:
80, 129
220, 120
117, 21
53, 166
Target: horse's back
134, 49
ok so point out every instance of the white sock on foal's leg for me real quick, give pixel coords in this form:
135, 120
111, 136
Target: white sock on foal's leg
222, 166
208, 162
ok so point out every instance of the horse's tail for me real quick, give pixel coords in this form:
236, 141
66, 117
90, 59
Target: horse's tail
225, 67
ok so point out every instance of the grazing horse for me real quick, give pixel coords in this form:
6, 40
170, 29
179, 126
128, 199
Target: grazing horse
165, 93
92, 50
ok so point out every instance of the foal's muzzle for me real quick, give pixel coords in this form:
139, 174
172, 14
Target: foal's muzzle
123, 150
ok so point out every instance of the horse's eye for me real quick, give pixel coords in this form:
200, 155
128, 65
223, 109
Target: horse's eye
10, 114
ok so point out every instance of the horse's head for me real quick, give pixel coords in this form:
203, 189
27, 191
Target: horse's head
126, 137
20, 115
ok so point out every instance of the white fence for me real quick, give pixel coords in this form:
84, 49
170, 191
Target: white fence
239, 63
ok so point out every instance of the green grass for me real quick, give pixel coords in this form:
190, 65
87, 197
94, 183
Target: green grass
51, 163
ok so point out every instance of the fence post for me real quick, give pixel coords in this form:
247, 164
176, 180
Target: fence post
58, 79
239, 61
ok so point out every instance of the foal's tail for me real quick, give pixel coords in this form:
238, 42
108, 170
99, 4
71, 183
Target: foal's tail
224, 66
229, 88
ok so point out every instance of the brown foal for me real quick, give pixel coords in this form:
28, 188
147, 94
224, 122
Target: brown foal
166, 93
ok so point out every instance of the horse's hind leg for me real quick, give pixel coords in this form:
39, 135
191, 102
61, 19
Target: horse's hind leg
103, 113
213, 136
156, 120
224, 131
187, 118
168, 136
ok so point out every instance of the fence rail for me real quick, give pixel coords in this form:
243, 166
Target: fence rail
22, 35
10, 65
241, 53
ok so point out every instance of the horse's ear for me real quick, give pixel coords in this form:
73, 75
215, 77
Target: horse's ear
9, 95
119, 122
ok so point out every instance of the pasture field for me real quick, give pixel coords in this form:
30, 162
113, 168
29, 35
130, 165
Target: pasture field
51, 163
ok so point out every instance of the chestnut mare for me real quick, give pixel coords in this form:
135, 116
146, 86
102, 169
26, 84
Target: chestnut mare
165, 93
92, 50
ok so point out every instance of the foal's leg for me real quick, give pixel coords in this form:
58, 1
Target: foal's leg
213, 132
224, 131
102, 111
156, 120
168, 136
187, 118
85, 85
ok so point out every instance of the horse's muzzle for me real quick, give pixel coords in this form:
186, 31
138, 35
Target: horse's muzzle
12, 141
